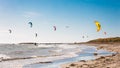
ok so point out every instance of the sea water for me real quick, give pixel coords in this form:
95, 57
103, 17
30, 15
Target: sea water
45, 56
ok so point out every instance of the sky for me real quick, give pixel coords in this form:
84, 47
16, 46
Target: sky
72, 18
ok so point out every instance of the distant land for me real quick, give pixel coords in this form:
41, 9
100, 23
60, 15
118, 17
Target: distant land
106, 40
43, 43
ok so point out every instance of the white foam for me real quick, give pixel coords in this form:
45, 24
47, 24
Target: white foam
2, 56
46, 46
67, 46
23, 62
58, 50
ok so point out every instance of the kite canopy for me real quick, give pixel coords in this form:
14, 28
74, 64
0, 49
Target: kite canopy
36, 34
105, 33
54, 28
82, 36
10, 31
98, 26
30, 24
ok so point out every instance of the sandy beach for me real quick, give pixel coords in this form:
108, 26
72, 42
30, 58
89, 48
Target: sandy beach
111, 61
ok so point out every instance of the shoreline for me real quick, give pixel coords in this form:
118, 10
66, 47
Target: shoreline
111, 61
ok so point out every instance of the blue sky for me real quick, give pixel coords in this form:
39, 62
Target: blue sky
79, 15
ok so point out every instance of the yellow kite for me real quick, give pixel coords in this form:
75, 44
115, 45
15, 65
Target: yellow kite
98, 26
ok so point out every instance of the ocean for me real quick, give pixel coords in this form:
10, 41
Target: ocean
45, 55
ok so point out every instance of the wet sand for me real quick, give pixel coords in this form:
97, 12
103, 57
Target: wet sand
111, 61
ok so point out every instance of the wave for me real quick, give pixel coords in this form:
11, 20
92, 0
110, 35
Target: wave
3, 56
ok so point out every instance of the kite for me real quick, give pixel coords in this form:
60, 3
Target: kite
30, 24
105, 33
54, 28
98, 26
36, 34
10, 31
82, 36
